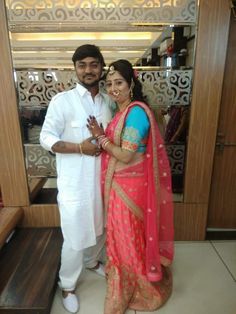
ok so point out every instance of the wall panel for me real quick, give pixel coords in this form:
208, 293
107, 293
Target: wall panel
45, 215
190, 221
213, 28
13, 177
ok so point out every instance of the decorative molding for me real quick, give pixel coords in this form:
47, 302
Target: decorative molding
166, 88
39, 162
90, 13
163, 88
176, 154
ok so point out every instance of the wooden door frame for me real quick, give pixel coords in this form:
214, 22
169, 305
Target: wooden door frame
222, 200
191, 214
13, 176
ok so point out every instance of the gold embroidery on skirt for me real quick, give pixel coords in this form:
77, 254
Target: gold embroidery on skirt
137, 211
128, 290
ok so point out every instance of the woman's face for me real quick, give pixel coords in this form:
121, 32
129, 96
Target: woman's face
117, 87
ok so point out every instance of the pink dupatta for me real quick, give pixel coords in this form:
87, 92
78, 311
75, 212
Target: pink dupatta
158, 214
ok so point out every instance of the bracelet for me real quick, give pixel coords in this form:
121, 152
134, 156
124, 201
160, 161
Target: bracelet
105, 144
80, 149
100, 139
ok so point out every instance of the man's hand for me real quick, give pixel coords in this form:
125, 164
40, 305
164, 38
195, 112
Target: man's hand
89, 148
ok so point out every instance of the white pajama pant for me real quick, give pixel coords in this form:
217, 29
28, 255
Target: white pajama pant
72, 262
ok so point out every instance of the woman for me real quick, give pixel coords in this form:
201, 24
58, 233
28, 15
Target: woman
137, 197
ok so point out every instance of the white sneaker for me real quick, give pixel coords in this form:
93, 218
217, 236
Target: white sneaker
71, 303
100, 270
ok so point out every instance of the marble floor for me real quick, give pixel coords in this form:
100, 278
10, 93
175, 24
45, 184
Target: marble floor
204, 282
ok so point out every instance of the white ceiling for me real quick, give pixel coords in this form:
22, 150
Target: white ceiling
49, 50
46, 33
56, 49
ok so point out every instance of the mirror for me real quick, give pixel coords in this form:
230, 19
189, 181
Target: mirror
158, 39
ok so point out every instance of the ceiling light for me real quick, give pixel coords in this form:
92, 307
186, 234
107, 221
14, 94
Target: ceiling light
82, 36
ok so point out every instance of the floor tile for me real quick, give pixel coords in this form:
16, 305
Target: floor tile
57, 307
202, 284
227, 251
91, 291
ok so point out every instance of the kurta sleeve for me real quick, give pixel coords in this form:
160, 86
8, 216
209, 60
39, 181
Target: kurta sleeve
53, 125
136, 129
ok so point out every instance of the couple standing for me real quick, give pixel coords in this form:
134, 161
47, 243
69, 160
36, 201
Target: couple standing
123, 170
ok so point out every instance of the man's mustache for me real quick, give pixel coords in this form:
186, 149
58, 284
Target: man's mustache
89, 75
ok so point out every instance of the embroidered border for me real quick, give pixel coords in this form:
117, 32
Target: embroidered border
137, 211
112, 162
122, 166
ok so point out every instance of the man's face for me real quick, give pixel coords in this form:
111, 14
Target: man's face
88, 71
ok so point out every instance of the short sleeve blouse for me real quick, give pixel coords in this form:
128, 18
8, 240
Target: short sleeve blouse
136, 129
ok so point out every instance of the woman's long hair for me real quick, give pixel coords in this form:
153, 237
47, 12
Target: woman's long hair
124, 67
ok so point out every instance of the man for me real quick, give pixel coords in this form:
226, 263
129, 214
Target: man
65, 133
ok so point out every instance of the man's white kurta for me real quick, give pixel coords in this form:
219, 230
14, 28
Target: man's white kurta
78, 176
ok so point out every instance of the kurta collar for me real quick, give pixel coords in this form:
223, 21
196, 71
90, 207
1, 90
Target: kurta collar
83, 91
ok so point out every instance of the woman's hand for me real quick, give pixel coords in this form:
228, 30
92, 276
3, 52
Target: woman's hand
94, 128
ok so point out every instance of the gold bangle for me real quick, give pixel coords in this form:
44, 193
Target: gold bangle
105, 144
80, 149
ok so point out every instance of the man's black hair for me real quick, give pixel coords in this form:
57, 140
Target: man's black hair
87, 50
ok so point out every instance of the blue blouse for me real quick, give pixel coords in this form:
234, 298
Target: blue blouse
136, 129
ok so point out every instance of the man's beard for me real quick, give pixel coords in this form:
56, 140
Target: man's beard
92, 84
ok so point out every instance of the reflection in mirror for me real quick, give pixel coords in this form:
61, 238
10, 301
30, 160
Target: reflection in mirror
163, 54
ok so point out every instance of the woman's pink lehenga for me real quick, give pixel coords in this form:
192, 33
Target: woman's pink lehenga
138, 202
